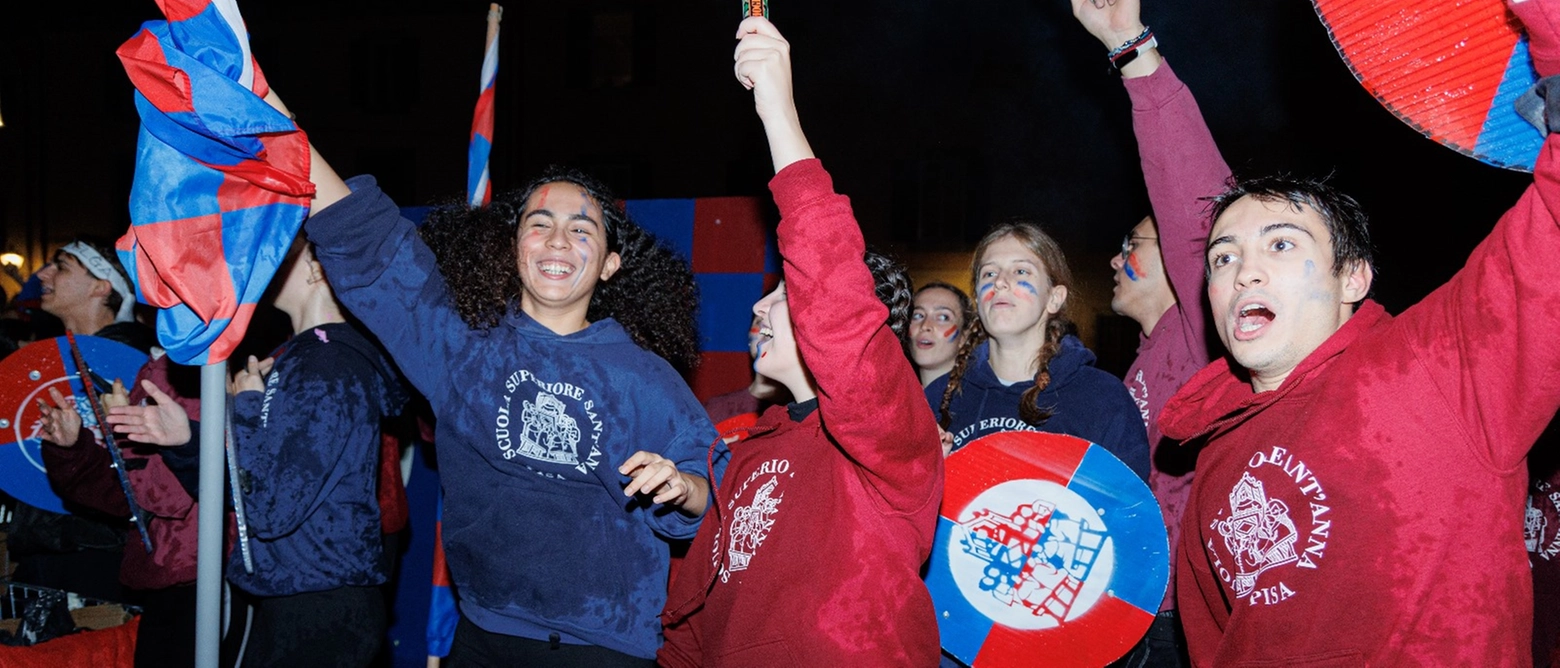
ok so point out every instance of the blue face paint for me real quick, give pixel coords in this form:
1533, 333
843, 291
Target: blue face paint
1026, 285
1132, 269
1310, 268
987, 291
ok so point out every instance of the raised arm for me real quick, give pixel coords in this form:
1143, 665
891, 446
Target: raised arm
381, 270
1181, 163
1487, 336
863, 378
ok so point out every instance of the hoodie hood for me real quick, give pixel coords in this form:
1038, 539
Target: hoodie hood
1220, 397
394, 393
1064, 365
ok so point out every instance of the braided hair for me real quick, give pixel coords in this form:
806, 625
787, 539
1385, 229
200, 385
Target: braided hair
1054, 262
652, 295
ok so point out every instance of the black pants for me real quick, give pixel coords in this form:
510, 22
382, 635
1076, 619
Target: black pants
166, 636
476, 648
340, 628
1164, 646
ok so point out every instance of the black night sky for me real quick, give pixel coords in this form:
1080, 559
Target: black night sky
986, 109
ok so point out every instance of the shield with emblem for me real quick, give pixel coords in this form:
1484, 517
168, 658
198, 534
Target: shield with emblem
25, 377
1049, 551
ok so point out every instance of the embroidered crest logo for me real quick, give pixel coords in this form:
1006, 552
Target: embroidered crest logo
1259, 536
547, 432
1539, 530
1258, 532
554, 427
751, 522
750, 525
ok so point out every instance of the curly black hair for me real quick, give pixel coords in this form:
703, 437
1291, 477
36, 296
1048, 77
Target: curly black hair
652, 294
892, 284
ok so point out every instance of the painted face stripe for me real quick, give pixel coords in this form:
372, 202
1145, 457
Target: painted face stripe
1132, 269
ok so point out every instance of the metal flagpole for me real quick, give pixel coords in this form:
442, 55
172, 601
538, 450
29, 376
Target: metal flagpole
208, 582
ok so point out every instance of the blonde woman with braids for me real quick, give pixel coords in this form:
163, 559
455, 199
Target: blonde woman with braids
1019, 369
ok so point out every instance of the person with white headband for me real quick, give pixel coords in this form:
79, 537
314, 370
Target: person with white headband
87, 289
90, 293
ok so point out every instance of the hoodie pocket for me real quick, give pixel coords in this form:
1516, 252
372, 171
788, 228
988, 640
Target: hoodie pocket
768, 652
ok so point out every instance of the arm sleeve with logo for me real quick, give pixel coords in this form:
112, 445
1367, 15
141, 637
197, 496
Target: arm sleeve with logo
321, 402
381, 270
870, 400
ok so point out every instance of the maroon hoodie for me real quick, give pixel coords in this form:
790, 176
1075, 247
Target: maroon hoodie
1182, 168
1369, 510
811, 553
81, 474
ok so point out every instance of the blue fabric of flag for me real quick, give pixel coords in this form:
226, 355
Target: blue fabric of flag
222, 178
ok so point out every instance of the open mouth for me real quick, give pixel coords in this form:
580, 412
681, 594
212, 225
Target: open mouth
924, 344
552, 269
766, 332
1251, 319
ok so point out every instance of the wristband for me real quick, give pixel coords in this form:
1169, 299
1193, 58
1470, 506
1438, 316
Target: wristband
1131, 44
1123, 58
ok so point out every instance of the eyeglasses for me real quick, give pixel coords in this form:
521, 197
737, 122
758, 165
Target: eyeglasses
1128, 244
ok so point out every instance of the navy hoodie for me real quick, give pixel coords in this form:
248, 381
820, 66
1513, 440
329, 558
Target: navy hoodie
532, 427
1084, 402
308, 454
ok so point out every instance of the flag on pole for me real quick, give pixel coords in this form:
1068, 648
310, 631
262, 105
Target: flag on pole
442, 613
221, 181
479, 190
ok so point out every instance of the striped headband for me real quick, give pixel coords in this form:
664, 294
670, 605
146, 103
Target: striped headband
100, 267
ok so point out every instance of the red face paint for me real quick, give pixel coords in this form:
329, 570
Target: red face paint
951, 334
1133, 270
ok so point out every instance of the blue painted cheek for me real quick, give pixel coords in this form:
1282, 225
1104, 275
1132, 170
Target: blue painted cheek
986, 291
1025, 285
1310, 268
1131, 275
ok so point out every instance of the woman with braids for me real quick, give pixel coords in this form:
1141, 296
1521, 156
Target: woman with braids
937, 328
570, 450
1019, 368
811, 555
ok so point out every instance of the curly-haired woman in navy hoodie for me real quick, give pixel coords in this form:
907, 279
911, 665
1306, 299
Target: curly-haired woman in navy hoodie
570, 450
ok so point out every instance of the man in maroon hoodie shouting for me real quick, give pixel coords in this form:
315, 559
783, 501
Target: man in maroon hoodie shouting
1358, 497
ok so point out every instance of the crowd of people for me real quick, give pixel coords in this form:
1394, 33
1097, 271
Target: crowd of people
1340, 486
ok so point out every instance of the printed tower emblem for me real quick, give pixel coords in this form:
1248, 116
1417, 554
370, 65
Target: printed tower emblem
547, 432
750, 525
1258, 533
1036, 556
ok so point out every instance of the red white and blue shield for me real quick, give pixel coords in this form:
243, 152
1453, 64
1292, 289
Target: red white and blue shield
1049, 551
1451, 70
25, 377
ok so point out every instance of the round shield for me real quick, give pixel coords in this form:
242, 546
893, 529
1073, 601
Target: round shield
1049, 551
25, 377
1451, 70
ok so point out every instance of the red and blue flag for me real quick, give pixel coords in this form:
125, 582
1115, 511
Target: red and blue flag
479, 190
221, 181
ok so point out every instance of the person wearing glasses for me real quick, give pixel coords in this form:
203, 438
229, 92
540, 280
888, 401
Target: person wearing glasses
1159, 275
